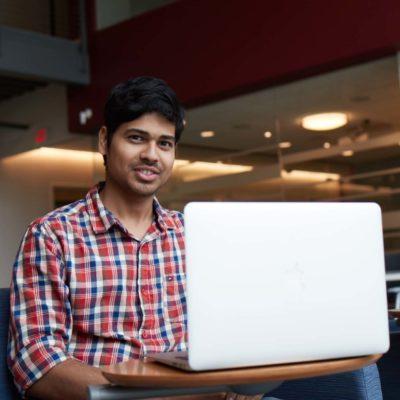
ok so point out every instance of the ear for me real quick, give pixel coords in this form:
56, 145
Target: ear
102, 144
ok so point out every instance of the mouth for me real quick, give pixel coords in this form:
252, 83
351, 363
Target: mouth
147, 174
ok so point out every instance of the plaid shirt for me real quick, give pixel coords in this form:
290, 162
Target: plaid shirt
84, 288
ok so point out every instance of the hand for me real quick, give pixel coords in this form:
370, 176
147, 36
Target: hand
235, 396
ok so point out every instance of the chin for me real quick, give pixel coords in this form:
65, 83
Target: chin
144, 191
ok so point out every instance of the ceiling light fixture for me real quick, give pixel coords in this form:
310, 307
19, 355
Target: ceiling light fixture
309, 175
201, 170
324, 121
327, 145
285, 145
347, 153
207, 134
54, 154
267, 134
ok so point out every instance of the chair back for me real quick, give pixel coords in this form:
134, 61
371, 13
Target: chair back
363, 384
8, 390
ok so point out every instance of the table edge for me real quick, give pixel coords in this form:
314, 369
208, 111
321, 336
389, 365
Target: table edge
228, 377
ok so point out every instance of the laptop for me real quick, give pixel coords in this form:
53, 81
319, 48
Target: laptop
274, 283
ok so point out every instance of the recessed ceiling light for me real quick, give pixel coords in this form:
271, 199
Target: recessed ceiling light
200, 170
347, 153
50, 154
324, 121
267, 134
285, 145
309, 175
327, 145
207, 134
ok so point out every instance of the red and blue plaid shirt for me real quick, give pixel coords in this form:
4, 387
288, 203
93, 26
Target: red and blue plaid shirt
84, 287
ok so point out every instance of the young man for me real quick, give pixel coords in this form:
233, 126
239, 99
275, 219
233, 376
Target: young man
102, 280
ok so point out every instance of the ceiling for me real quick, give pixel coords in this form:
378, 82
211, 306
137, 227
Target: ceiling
369, 94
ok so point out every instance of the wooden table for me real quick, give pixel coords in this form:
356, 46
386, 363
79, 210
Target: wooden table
141, 379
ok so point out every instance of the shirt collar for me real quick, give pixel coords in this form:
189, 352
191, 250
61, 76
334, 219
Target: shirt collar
102, 219
163, 216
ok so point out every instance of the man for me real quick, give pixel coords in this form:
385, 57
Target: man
102, 280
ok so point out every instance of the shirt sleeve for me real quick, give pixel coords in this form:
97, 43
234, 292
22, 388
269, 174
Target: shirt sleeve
40, 320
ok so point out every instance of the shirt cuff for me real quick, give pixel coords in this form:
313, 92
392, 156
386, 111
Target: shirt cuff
35, 360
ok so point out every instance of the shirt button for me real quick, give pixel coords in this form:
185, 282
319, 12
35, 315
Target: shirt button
144, 335
169, 278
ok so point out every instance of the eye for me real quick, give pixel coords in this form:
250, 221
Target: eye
135, 138
167, 144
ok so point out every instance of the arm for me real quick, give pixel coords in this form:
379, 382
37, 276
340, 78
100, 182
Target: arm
67, 380
40, 319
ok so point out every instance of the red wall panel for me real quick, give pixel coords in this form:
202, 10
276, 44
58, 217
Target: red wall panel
212, 49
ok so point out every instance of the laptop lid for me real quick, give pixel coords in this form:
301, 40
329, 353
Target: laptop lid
272, 283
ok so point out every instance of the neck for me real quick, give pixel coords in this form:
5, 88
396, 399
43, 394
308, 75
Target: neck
127, 207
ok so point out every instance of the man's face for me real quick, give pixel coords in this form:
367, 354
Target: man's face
141, 154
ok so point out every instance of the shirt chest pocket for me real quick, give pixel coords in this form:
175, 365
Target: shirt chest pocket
174, 297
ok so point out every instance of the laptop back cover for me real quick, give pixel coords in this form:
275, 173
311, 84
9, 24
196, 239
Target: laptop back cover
271, 283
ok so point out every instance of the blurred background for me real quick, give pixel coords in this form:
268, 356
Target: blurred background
286, 101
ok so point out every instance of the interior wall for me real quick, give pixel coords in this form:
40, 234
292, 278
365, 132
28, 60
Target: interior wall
26, 182
44, 108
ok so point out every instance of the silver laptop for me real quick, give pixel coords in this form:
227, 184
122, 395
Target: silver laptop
272, 283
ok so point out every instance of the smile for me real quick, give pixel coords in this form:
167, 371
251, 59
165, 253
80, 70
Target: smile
146, 171
146, 174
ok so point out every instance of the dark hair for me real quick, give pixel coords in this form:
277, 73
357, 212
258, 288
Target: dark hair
131, 99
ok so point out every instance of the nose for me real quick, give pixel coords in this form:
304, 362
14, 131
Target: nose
149, 152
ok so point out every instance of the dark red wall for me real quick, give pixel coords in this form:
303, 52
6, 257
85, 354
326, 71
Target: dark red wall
212, 49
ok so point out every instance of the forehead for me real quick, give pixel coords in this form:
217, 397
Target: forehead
151, 123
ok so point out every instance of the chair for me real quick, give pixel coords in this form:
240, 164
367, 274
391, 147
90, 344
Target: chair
7, 388
363, 384
389, 365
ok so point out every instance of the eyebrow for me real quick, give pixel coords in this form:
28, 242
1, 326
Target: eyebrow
143, 132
